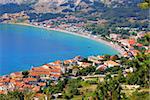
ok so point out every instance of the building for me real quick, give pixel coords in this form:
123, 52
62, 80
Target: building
111, 63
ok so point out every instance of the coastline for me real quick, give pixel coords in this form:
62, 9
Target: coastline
114, 46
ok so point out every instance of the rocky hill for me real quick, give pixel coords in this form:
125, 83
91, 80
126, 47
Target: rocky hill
119, 11
44, 6
66, 6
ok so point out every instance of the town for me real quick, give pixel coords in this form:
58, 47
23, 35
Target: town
39, 78
124, 76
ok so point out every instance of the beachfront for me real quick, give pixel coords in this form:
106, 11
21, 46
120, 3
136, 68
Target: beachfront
82, 34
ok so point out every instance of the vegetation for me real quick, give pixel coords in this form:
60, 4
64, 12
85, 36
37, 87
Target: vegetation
55, 89
108, 89
139, 96
25, 74
87, 71
97, 29
72, 88
16, 95
141, 66
13, 8
145, 4
144, 40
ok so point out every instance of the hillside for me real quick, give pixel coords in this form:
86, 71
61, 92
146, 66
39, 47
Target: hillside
116, 12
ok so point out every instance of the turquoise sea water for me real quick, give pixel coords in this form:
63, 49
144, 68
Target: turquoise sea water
24, 46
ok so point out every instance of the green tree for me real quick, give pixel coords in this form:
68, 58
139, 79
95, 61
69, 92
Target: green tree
141, 66
111, 89
145, 4
25, 74
86, 71
28, 95
15, 95
139, 96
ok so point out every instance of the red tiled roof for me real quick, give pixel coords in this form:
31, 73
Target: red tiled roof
30, 79
139, 44
42, 84
36, 88
56, 71
102, 67
2, 92
131, 41
112, 63
40, 73
39, 69
12, 80
19, 84
27, 86
6, 79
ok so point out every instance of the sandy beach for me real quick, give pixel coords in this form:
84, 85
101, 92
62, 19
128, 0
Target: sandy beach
114, 46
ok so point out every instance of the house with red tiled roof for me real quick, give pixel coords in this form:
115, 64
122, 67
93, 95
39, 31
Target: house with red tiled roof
36, 88
2, 92
139, 44
16, 75
46, 71
27, 86
30, 81
111, 63
6, 80
40, 72
19, 84
101, 67
41, 84
132, 42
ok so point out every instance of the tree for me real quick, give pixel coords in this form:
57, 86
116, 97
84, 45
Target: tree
86, 71
25, 74
15, 95
71, 88
28, 95
141, 74
111, 89
139, 96
144, 40
106, 57
47, 91
145, 4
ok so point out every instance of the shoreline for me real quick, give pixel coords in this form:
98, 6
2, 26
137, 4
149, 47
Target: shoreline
94, 38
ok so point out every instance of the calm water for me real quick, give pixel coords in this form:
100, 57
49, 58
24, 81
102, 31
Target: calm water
23, 46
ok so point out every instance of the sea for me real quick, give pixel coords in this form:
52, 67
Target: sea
23, 47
